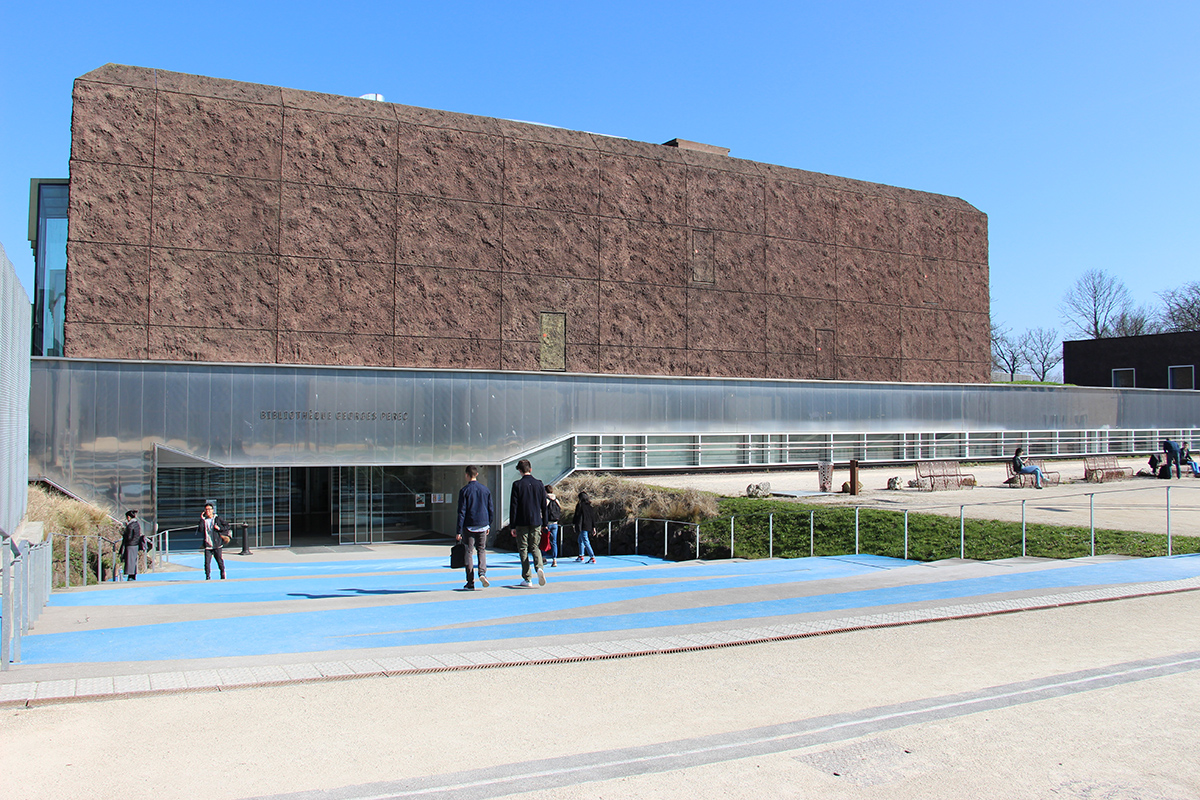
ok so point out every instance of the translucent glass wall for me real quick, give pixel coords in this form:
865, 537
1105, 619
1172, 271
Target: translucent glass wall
14, 395
94, 425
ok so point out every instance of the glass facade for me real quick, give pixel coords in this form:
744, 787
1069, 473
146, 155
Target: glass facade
48, 237
349, 454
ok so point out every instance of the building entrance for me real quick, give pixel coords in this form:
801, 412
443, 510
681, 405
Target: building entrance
312, 507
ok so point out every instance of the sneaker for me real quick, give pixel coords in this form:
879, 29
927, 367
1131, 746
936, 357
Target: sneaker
593, 561
541, 577
525, 584
483, 579
554, 563
470, 587
579, 559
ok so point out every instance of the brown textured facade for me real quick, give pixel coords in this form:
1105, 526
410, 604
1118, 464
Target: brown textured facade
213, 220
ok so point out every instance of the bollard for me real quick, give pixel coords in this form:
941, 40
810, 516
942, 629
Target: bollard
854, 476
962, 534
1022, 529
1092, 520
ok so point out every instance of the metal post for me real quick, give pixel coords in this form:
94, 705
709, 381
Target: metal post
666, 527
635, 535
6, 604
812, 535
697, 541
1022, 529
731, 535
856, 530
962, 534
1168, 520
771, 535
906, 534
67, 571
610, 537
1092, 520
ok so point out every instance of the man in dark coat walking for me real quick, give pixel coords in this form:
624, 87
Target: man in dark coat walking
525, 507
475, 514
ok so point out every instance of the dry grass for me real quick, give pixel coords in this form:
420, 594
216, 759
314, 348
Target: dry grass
615, 498
63, 515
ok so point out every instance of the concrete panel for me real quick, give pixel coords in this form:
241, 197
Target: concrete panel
453, 164
338, 223
200, 288
551, 177
104, 340
725, 320
725, 200
321, 294
109, 203
210, 212
792, 324
112, 124
868, 221
205, 86
645, 252
212, 344
927, 230
202, 134
725, 363
336, 348
801, 211
643, 360
740, 261
867, 330
448, 233
416, 351
801, 269
643, 189
339, 150
447, 303
867, 276
107, 283
551, 243
638, 315
525, 297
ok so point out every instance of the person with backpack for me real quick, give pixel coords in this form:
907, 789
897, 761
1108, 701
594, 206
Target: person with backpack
585, 524
553, 515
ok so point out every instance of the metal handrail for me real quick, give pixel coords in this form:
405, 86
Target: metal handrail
25, 589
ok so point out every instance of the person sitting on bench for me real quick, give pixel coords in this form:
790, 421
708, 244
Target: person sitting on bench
1021, 468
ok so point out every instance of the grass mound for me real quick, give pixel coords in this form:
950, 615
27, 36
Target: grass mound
84, 524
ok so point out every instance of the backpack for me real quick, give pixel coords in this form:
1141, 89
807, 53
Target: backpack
553, 510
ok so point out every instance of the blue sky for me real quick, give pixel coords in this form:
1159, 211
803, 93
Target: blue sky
1072, 125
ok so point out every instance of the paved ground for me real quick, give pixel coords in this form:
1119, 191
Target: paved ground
1137, 504
364, 673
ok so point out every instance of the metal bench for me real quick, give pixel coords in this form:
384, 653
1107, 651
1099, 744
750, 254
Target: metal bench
942, 475
1099, 469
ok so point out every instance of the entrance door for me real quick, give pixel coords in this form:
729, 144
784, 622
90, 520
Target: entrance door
312, 507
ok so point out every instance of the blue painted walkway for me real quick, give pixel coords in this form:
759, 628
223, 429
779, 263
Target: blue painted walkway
414, 605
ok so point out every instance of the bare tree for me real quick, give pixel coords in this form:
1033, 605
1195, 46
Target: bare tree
1041, 349
1182, 312
1006, 351
1135, 321
1091, 306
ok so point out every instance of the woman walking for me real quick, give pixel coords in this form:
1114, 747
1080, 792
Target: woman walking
585, 523
553, 514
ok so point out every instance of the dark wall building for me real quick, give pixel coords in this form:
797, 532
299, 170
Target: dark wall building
1157, 361
218, 221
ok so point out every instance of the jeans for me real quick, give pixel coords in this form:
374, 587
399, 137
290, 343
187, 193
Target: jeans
474, 542
1036, 472
209, 554
1173, 456
553, 526
585, 542
528, 541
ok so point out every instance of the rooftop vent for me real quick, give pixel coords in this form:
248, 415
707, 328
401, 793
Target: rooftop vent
698, 146
378, 98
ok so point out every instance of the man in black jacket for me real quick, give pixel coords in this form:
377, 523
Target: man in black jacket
475, 514
214, 533
525, 507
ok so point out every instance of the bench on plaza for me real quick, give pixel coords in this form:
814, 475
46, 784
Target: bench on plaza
1099, 469
1022, 479
942, 475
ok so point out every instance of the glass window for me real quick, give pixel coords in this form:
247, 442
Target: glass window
50, 268
554, 341
1122, 378
1181, 377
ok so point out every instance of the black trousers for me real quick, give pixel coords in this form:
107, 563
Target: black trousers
209, 554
